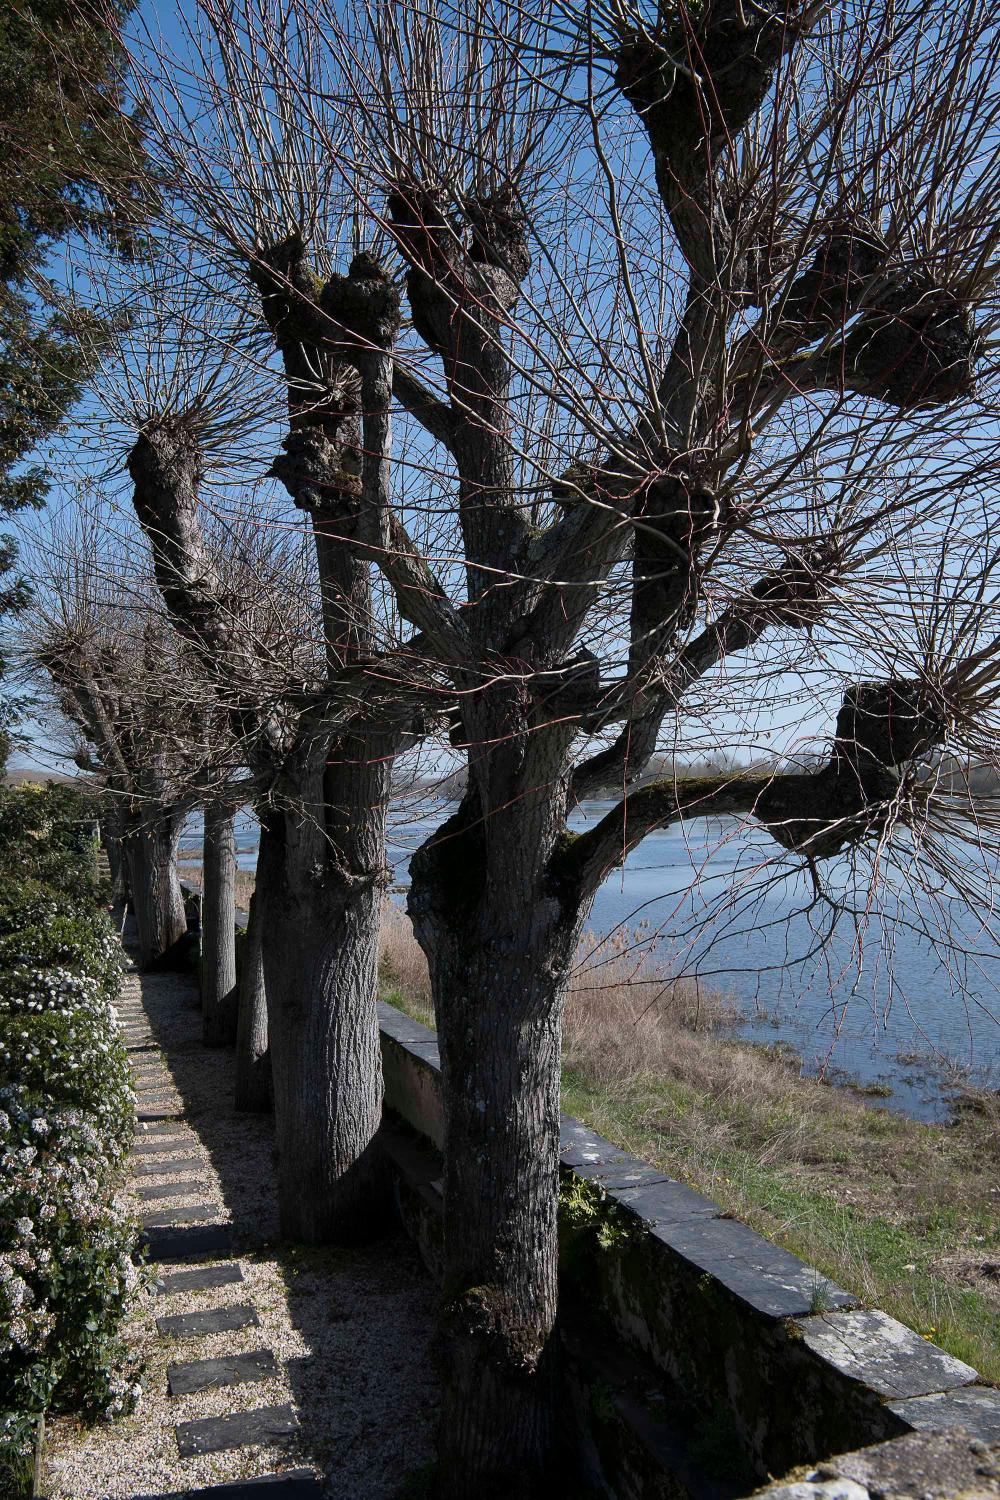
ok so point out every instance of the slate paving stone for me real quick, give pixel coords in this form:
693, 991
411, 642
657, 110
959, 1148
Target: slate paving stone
267, 1424
159, 1113
210, 1320
149, 1047
581, 1148
293, 1484
201, 1213
182, 1189
160, 1143
772, 1280
176, 1243
157, 1128
884, 1355
160, 1168
211, 1374
974, 1407
403, 1029
198, 1280
667, 1202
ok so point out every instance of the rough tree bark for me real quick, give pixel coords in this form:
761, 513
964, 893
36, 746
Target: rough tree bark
218, 927
499, 988
111, 842
322, 802
253, 1057
499, 895
149, 846
321, 973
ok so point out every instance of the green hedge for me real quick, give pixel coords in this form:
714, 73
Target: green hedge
67, 1277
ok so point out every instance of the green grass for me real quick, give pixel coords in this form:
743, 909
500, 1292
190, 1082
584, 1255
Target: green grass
899, 1243
904, 1215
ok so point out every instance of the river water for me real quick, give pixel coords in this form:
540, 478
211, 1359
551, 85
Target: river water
885, 998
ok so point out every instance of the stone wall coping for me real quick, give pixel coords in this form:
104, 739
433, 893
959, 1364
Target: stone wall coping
902, 1380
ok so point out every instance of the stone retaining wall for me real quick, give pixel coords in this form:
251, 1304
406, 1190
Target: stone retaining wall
778, 1365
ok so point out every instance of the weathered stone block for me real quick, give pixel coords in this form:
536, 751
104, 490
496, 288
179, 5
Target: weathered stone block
412, 1084
920, 1466
200, 1213
211, 1374
268, 1424
976, 1408
161, 1168
202, 1242
183, 1189
887, 1357
212, 1320
198, 1280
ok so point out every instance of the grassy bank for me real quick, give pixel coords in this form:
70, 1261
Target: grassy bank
905, 1215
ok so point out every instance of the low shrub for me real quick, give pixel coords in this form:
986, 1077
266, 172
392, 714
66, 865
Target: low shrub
26, 902
83, 945
48, 834
67, 1276
66, 1270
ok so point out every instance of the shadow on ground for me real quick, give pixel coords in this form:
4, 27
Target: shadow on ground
366, 1393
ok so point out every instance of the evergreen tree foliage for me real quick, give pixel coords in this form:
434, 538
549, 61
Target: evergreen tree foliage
71, 161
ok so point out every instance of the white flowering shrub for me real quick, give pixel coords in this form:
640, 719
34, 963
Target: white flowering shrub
82, 945
67, 1277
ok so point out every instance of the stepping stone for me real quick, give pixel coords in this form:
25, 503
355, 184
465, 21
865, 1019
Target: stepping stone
161, 1144
199, 1280
293, 1484
213, 1320
184, 1189
201, 1213
160, 1168
159, 1112
211, 1242
141, 1047
210, 1374
151, 1128
268, 1424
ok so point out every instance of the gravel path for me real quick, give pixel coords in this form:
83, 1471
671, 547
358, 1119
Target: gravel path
350, 1330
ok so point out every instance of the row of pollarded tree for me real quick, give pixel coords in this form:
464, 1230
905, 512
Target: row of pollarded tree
630, 370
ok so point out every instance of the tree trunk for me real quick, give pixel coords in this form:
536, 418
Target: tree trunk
150, 849
218, 927
499, 975
253, 1059
111, 842
320, 939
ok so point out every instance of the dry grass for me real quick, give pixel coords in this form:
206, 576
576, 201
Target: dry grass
190, 872
402, 962
906, 1215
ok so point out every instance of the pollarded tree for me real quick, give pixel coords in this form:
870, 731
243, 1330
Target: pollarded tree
275, 647
705, 295
142, 718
